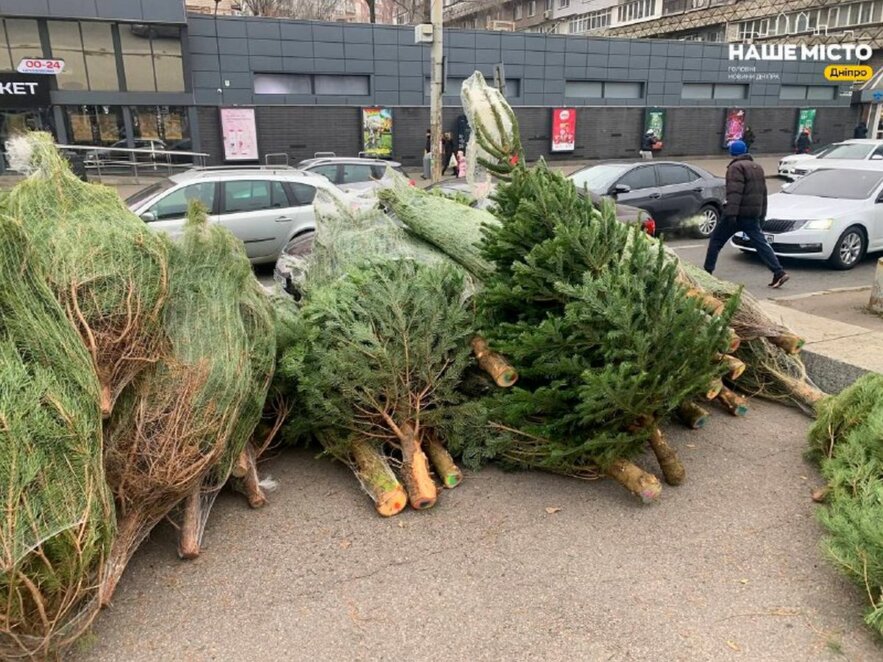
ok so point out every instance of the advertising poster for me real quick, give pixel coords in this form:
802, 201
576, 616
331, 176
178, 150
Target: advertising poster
148, 124
240, 134
734, 125
563, 129
654, 119
806, 119
81, 127
377, 132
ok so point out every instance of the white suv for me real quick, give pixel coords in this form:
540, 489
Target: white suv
857, 152
265, 207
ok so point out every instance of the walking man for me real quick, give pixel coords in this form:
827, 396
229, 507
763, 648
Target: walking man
648, 140
743, 212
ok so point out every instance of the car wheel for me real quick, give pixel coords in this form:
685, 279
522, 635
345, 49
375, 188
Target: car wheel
708, 219
849, 249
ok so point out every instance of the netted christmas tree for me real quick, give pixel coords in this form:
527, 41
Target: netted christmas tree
58, 517
178, 428
847, 439
109, 270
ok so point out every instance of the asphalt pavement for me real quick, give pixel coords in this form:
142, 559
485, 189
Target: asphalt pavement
727, 566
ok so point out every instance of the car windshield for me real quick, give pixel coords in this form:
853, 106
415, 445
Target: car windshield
144, 194
844, 184
848, 152
598, 179
821, 151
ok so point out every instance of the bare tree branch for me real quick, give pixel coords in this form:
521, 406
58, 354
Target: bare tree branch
319, 10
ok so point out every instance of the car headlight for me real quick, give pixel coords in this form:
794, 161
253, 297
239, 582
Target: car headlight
819, 224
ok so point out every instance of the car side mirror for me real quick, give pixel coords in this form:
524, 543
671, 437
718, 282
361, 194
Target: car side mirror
876, 157
148, 217
620, 188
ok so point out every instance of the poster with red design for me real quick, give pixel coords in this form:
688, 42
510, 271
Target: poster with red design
734, 125
563, 129
239, 134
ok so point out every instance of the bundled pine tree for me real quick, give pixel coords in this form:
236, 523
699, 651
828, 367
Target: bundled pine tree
178, 428
58, 520
110, 271
606, 341
377, 358
846, 440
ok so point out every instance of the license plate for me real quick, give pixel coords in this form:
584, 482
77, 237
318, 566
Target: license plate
769, 238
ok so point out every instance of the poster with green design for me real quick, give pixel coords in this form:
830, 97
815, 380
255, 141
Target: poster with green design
806, 119
654, 119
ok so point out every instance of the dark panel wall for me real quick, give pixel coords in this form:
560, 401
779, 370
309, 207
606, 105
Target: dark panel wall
226, 53
602, 133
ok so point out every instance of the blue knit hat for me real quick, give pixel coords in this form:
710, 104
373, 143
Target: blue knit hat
737, 148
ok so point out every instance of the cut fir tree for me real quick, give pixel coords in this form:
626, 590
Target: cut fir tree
375, 360
607, 342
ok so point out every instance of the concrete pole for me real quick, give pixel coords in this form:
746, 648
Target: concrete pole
876, 303
435, 90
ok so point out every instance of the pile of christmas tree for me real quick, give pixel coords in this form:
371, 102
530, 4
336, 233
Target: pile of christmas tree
171, 344
847, 441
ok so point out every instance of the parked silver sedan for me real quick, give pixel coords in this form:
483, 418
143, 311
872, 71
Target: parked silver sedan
265, 207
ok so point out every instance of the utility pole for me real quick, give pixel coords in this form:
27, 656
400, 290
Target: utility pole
435, 92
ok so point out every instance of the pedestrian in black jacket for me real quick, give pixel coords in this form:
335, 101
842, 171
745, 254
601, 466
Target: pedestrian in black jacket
860, 130
803, 144
748, 137
744, 211
648, 141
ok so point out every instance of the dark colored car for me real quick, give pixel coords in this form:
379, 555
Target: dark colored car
676, 195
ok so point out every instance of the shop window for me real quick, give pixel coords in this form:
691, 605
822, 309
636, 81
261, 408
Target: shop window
590, 89
167, 124
88, 54
23, 39
95, 125
316, 84
283, 84
341, 85
713, 91
152, 58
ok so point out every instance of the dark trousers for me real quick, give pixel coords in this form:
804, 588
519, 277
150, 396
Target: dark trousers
730, 225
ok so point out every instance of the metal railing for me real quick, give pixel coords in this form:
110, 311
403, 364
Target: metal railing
99, 157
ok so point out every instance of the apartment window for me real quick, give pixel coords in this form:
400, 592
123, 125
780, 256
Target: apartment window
88, 54
591, 89
152, 57
810, 92
635, 10
591, 21
532, 8
519, 11
842, 16
713, 91
563, 4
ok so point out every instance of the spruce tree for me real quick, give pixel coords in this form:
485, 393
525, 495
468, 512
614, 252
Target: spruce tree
605, 339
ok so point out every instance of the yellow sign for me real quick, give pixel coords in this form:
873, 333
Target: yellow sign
848, 73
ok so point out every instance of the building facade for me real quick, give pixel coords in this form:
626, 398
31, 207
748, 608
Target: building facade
125, 76
146, 70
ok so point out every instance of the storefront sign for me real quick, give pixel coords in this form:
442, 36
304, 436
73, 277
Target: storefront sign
46, 67
806, 119
240, 134
654, 120
734, 125
377, 132
23, 91
563, 129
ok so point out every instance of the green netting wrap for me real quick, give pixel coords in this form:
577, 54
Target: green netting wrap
352, 231
182, 421
58, 521
109, 271
450, 226
847, 439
